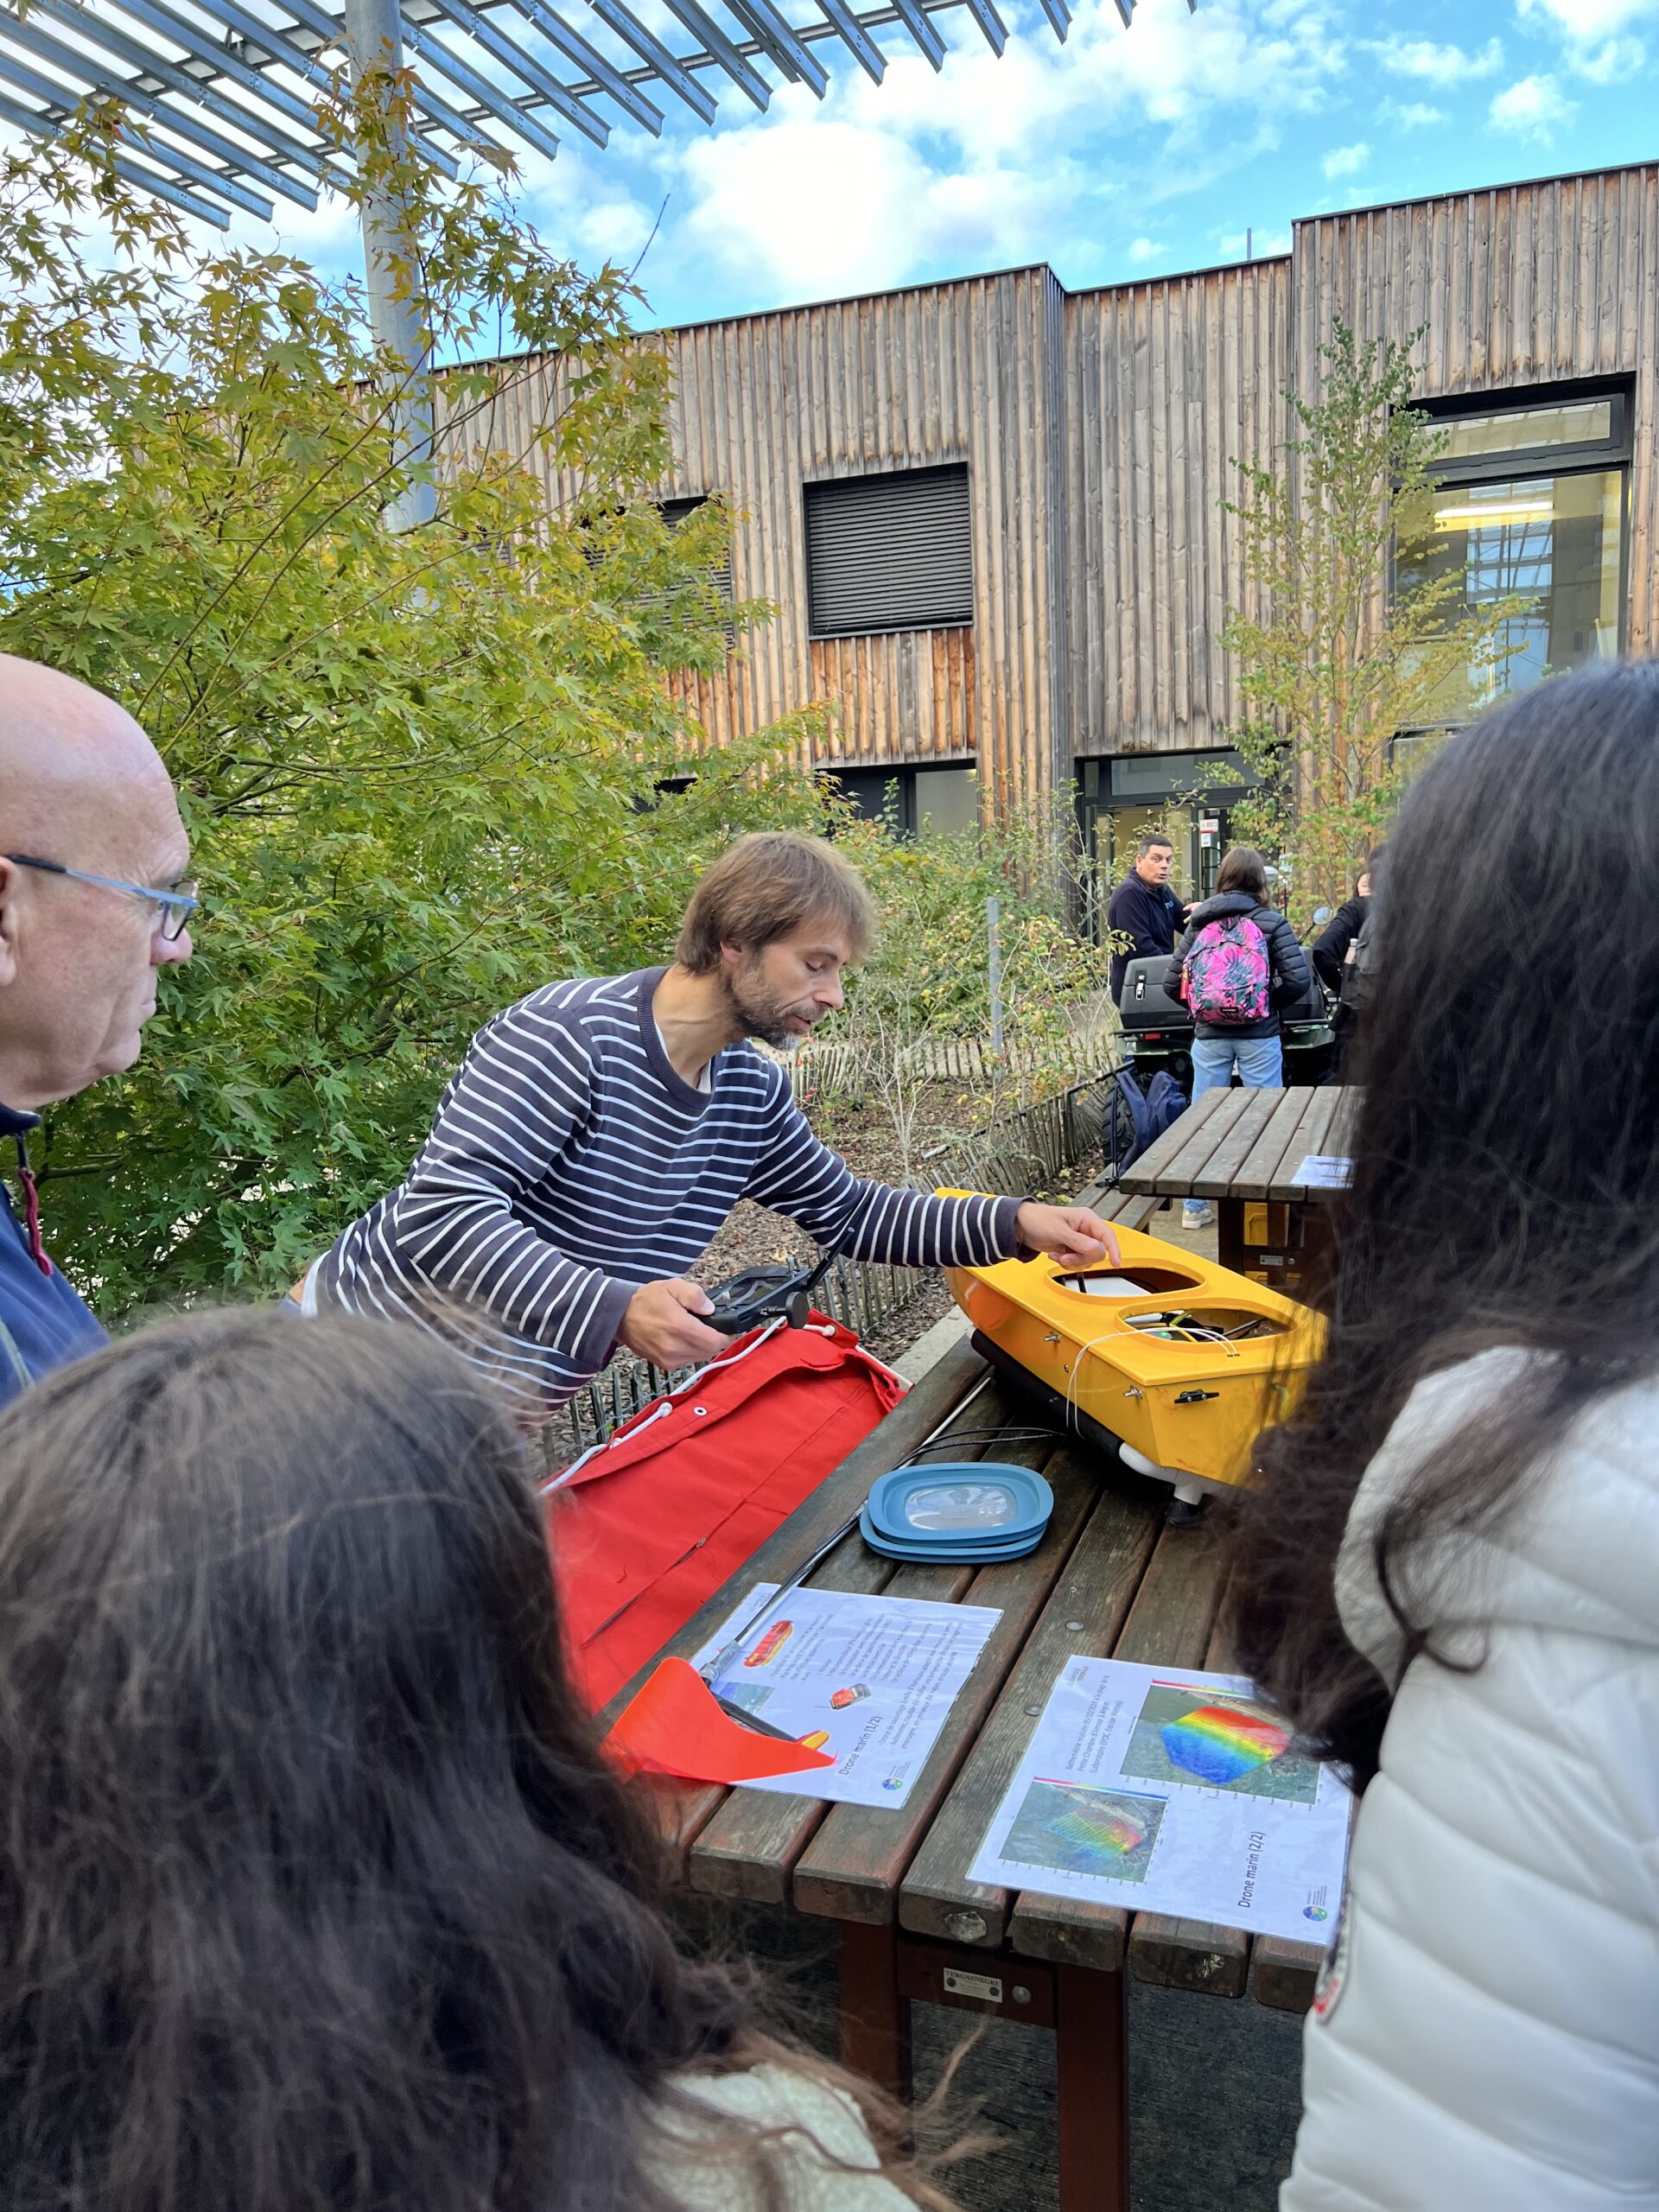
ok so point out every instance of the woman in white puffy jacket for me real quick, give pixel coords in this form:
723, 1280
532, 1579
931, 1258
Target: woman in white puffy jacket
1450, 1577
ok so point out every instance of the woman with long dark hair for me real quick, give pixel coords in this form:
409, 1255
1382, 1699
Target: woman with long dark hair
1450, 1577
314, 1895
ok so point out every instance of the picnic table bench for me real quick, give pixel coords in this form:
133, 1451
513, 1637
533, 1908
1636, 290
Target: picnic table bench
1108, 1580
1244, 1150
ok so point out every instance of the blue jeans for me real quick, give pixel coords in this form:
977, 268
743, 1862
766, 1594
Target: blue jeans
1261, 1065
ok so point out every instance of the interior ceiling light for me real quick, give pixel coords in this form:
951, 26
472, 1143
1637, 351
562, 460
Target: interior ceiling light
1505, 511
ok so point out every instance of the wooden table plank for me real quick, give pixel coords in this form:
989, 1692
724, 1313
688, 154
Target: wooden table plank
852, 1866
1085, 1613
1169, 1624
1339, 1137
1215, 1179
1310, 1140
1283, 1974
1257, 1171
1145, 1174
1194, 1156
747, 1847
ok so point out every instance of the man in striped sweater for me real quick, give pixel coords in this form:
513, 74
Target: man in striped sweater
598, 1133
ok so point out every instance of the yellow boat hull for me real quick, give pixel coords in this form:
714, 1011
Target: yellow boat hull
1183, 1361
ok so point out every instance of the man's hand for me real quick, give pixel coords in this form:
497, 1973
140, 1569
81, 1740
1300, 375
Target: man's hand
662, 1326
1070, 1234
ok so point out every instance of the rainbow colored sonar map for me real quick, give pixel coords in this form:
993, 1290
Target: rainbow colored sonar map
1212, 1740
1110, 1833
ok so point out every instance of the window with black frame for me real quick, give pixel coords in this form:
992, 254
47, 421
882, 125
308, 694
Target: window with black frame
1530, 504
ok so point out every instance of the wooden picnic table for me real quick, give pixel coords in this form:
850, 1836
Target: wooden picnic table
1244, 1150
1108, 1579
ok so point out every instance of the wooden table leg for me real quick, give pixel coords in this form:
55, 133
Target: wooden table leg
1229, 1233
1093, 2090
874, 2018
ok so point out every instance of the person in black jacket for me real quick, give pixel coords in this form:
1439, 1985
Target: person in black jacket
1334, 958
1252, 1046
1143, 908
1332, 946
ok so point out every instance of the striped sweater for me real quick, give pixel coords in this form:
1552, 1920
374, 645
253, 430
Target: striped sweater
568, 1164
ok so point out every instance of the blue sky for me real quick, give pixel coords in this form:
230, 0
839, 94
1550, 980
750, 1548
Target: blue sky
1120, 154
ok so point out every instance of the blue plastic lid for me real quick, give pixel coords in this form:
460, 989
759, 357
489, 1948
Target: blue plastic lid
943, 1553
966, 1506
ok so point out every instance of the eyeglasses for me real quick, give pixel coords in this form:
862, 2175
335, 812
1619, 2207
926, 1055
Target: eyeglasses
174, 907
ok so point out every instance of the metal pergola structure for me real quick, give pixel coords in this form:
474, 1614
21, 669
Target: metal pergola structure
221, 100
220, 97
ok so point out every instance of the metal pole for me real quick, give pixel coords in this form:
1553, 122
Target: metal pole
397, 306
993, 915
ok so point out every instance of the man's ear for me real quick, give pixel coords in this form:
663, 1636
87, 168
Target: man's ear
10, 920
731, 956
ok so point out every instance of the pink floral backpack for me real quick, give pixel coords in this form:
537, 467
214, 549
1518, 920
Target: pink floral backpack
1226, 979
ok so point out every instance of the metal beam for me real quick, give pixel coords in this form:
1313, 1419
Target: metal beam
995, 30
57, 96
863, 48
526, 69
506, 110
43, 126
920, 27
396, 312
720, 50
571, 43
283, 49
183, 121
627, 27
90, 25
791, 53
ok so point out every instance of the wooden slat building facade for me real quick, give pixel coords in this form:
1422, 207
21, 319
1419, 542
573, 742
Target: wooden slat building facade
1099, 432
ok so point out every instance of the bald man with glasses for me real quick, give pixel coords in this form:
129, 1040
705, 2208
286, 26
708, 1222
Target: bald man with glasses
93, 903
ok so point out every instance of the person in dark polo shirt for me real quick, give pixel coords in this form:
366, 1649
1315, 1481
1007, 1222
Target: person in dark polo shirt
1143, 908
92, 902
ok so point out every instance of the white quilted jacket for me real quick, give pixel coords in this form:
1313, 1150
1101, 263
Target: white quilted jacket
1493, 2043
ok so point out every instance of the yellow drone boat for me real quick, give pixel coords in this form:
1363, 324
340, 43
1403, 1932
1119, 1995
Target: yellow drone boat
1180, 1362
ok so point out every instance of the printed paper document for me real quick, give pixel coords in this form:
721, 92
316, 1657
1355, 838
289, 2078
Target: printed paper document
1172, 1792
869, 1679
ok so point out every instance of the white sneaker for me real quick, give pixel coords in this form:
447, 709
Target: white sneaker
1202, 1219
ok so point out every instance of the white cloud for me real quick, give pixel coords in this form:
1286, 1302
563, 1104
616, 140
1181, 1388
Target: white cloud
1412, 115
1144, 250
1589, 30
1608, 64
1532, 108
1436, 65
1586, 20
1346, 161
970, 164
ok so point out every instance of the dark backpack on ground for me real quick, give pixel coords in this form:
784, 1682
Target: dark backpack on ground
1227, 976
1134, 1118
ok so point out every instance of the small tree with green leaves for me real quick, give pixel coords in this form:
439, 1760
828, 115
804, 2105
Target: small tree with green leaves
419, 771
1364, 628
919, 1013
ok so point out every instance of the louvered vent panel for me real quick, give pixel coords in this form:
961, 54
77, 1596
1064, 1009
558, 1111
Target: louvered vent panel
889, 553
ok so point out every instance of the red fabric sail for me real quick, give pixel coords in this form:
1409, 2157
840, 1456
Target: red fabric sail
644, 1531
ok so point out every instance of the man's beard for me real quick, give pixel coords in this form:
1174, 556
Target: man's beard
760, 1012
